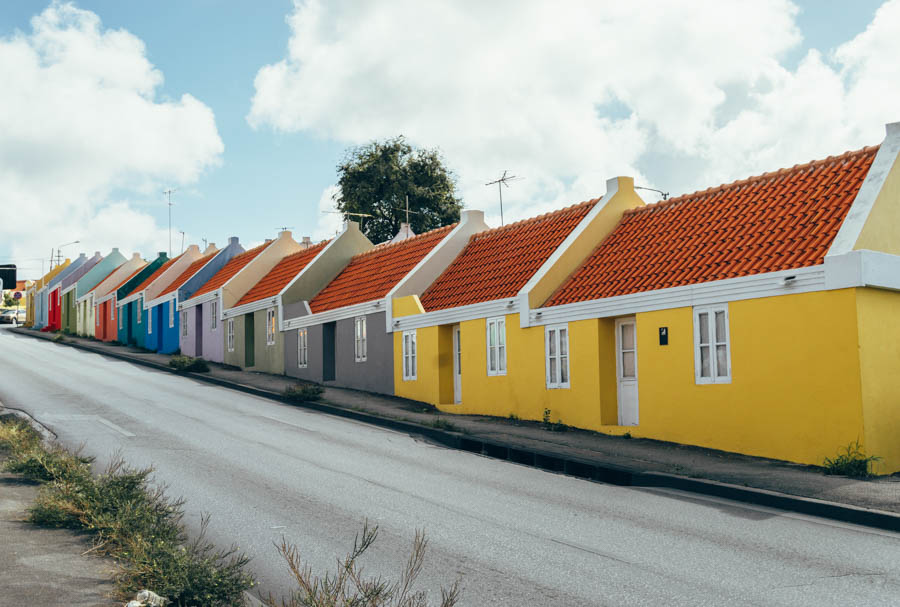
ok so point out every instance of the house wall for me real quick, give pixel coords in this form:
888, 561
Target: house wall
313, 371
236, 356
86, 317
267, 358
795, 393
188, 341
109, 329
878, 317
169, 336
68, 312
151, 334
213, 339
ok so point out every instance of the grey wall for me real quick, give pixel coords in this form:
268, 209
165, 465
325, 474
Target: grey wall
376, 374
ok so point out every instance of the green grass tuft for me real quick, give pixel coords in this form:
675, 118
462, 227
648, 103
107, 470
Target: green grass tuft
853, 461
188, 364
303, 392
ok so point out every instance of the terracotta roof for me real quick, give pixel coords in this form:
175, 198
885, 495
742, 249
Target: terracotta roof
130, 276
191, 270
776, 221
497, 263
278, 277
234, 265
156, 274
372, 274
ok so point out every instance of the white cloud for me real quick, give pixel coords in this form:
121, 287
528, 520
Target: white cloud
79, 120
681, 95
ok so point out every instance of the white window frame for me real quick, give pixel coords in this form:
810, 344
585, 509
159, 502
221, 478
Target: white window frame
214, 315
496, 352
97, 315
172, 314
553, 333
120, 319
138, 313
302, 348
229, 334
149, 321
112, 308
359, 339
714, 342
271, 329
184, 320
409, 354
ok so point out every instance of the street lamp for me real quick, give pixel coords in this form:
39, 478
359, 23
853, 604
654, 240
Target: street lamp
58, 255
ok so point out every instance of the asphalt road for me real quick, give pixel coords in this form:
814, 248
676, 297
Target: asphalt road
514, 535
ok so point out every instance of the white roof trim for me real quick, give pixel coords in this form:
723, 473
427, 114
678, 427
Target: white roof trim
452, 316
200, 299
351, 311
862, 205
162, 299
253, 306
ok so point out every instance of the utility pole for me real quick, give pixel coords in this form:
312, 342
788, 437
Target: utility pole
168, 194
500, 184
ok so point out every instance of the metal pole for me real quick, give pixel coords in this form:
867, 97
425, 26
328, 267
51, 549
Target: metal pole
500, 190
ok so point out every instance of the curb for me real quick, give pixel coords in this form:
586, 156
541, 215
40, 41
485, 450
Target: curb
552, 462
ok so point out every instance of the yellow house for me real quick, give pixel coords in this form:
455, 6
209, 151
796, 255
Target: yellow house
759, 317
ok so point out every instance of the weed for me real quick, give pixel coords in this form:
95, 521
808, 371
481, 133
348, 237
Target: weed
348, 586
131, 520
546, 418
852, 462
303, 392
59, 338
627, 435
188, 364
443, 424
514, 418
556, 426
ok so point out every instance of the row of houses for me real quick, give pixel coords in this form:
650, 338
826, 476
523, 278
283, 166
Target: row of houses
760, 317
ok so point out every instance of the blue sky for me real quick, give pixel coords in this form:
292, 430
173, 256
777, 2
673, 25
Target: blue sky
275, 171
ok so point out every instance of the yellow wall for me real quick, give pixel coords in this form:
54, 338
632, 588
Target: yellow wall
795, 393
879, 233
878, 314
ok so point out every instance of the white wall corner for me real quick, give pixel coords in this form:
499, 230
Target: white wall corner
389, 314
524, 310
855, 220
880, 270
843, 271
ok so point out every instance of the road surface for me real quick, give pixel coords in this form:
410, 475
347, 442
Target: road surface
514, 535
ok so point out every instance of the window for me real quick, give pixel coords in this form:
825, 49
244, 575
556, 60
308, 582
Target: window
149, 322
229, 334
214, 315
120, 319
97, 315
183, 321
302, 349
360, 339
409, 355
137, 305
557, 348
496, 346
171, 314
112, 309
270, 327
712, 352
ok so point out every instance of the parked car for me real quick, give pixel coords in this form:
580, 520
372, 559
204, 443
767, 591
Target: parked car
11, 317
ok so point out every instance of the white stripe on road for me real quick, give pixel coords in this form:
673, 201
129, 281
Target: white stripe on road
118, 429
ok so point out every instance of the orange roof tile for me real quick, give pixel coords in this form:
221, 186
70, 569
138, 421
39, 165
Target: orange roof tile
372, 274
776, 221
153, 276
234, 265
130, 276
278, 277
497, 263
191, 270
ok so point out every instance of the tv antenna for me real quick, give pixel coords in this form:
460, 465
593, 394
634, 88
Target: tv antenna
286, 228
182, 240
503, 181
665, 195
168, 194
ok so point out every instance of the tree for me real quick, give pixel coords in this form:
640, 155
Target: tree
376, 179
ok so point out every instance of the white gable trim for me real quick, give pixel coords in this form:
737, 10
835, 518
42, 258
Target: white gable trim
162, 299
199, 300
253, 306
862, 205
452, 316
360, 309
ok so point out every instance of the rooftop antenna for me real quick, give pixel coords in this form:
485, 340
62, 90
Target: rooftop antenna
168, 194
500, 184
665, 195
182, 240
286, 228
205, 245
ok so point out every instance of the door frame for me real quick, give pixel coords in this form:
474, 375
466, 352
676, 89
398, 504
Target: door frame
457, 365
625, 320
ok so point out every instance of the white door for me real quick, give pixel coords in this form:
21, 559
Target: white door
626, 371
457, 367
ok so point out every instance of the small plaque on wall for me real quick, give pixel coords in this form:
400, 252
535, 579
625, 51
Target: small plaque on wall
664, 336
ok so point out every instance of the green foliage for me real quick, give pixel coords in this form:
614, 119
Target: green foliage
443, 424
8, 300
131, 520
376, 179
853, 461
627, 435
186, 364
349, 588
59, 338
556, 426
303, 392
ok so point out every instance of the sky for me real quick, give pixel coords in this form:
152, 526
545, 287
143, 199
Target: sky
246, 108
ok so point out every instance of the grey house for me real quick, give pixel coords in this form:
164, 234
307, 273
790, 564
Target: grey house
342, 336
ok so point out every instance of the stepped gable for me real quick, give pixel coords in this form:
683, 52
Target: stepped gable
373, 274
497, 263
776, 221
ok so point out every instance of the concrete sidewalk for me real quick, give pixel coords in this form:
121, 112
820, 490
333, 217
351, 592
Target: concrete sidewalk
46, 566
581, 453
